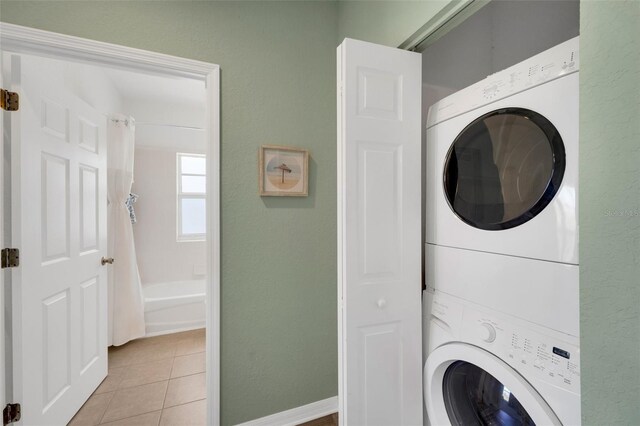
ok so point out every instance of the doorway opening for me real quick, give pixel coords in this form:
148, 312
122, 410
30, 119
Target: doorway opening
125, 161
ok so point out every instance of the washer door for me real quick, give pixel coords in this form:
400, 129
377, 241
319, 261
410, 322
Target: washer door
466, 385
504, 168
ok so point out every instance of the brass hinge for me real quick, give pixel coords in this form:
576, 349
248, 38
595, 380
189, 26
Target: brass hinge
9, 101
11, 414
10, 257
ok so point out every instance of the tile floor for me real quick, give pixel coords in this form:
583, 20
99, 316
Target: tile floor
153, 381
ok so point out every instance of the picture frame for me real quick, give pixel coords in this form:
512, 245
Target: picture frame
283, 171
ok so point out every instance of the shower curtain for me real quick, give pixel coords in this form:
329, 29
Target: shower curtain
126, 303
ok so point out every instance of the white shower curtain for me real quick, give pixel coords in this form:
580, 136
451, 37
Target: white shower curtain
126, 303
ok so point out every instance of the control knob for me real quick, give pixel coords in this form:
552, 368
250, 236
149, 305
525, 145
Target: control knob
487, 332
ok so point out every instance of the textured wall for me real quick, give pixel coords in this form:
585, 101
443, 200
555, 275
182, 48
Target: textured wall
385, 22
279, 342
610, 211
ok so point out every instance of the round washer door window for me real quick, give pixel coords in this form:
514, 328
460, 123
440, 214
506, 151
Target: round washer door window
504, 168
474, 397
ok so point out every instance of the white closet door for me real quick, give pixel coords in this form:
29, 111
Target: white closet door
58, 185
379, 181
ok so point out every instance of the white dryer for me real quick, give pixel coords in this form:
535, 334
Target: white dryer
502, 161
502, 191
487, 368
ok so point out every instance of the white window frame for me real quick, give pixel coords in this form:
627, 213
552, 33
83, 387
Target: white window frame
180, 237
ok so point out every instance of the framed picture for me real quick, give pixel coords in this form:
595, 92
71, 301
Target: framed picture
284, 171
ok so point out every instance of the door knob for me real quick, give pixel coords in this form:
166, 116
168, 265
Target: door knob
106, 260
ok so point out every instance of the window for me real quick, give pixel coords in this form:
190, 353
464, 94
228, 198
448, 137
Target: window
504, 168
192, 188
474, 397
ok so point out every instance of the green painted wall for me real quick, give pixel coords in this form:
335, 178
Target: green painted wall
279, 340
610, 211
385, 22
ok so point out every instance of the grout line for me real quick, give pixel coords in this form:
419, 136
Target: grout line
173, 363
154, 381
186, 403
135, 415
188, 375
138, 414
164, 400
107, 407
129, 417
126, 367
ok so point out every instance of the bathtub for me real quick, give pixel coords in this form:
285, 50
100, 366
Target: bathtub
174, 306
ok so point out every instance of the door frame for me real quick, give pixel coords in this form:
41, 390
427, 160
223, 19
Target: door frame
24, 40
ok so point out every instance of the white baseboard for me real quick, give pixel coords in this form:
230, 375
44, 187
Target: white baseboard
298, 415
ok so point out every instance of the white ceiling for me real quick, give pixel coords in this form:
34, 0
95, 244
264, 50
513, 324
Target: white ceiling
152, 88
171, 138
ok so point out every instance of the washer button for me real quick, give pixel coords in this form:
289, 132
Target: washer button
487, 332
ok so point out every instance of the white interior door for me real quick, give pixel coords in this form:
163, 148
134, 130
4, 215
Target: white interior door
379, 214
58, 162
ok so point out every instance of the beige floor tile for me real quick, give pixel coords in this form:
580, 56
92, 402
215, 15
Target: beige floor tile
198, 332
92, 411
188, 364
133, 401
141, 353
111, 382
158, 352
190, 345
168, 339
185, 389
140, 374
119, 357
164, 341
148, 419
158, 347
192, 414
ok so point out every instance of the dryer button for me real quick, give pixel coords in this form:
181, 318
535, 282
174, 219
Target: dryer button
487, 332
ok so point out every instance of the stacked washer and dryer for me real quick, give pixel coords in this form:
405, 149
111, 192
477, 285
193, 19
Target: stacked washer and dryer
502, 306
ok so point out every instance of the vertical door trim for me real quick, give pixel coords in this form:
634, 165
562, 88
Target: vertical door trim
340, 239
3, 384
25, 40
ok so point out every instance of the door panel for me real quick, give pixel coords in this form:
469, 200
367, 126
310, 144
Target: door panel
58, 146
379, 218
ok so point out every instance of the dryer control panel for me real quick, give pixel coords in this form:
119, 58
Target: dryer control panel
546, 66
533, 351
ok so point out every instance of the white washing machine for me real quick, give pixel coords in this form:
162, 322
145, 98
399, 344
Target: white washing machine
487, 368
502, 191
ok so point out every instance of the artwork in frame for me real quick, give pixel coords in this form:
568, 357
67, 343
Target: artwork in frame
284, 171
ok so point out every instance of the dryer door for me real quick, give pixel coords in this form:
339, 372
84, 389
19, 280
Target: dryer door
504, 168
467, 385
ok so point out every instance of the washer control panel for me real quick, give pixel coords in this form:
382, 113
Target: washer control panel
532, 353
487, 332
532, 350
546, 66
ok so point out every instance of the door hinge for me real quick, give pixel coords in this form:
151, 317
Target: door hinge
11, 414
10, 257
9, 101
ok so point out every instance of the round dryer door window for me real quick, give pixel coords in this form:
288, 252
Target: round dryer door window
504, 168
474, 397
